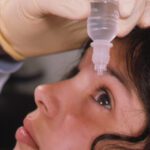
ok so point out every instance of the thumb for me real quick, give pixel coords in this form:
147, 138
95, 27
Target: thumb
126, 7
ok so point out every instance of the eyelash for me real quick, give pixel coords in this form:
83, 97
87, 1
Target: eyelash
103, 98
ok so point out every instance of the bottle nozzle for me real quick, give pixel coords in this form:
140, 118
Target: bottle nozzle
100, 58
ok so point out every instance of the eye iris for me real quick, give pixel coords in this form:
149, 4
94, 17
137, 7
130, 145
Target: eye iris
104, 99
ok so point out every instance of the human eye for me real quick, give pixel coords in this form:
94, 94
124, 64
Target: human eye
103, 98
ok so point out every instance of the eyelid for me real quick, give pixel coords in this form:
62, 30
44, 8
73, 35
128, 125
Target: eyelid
120, 77
101, 92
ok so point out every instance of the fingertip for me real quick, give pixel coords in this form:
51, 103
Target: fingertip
145, 19
144, 23
126, 7
124, 28
122, 33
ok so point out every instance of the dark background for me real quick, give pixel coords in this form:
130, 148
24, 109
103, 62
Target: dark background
14, 105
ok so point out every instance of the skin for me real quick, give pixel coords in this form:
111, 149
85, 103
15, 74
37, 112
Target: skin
70, 114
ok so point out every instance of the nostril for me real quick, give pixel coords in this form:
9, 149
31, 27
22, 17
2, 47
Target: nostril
41, 97
42, 106
46, 100
49, 109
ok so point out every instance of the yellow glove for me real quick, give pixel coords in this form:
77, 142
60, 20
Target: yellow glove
132, 13
37, 27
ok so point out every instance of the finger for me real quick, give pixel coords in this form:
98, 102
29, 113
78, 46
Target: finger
71, 9
145, 19
127, 24
126, 7
125, 27
76, 9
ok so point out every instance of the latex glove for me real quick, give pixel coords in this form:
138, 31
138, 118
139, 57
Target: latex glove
132, 13
36, 27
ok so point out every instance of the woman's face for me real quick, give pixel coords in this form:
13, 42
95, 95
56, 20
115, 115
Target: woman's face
70, 114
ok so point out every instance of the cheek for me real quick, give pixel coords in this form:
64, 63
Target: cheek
71, 131
133, 120
67, 134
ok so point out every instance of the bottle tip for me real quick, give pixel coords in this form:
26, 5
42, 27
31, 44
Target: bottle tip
100, 69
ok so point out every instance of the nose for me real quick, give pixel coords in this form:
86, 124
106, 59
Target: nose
58, 98
46, 101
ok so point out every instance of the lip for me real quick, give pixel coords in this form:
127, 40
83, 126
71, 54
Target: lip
23, 135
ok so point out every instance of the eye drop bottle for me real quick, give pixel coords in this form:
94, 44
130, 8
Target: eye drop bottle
102, 26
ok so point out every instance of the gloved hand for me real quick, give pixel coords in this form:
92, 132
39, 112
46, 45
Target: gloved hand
132, 13
37, 27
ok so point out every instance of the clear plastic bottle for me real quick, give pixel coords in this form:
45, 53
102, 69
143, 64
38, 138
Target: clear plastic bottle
102, 27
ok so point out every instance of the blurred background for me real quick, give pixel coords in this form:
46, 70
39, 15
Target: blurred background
17, 100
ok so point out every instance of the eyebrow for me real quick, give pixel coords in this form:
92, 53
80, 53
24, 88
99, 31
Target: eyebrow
119, 77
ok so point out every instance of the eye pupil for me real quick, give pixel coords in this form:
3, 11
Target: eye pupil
103, 99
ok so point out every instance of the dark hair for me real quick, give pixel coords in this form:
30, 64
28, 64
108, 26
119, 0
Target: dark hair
138, 66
